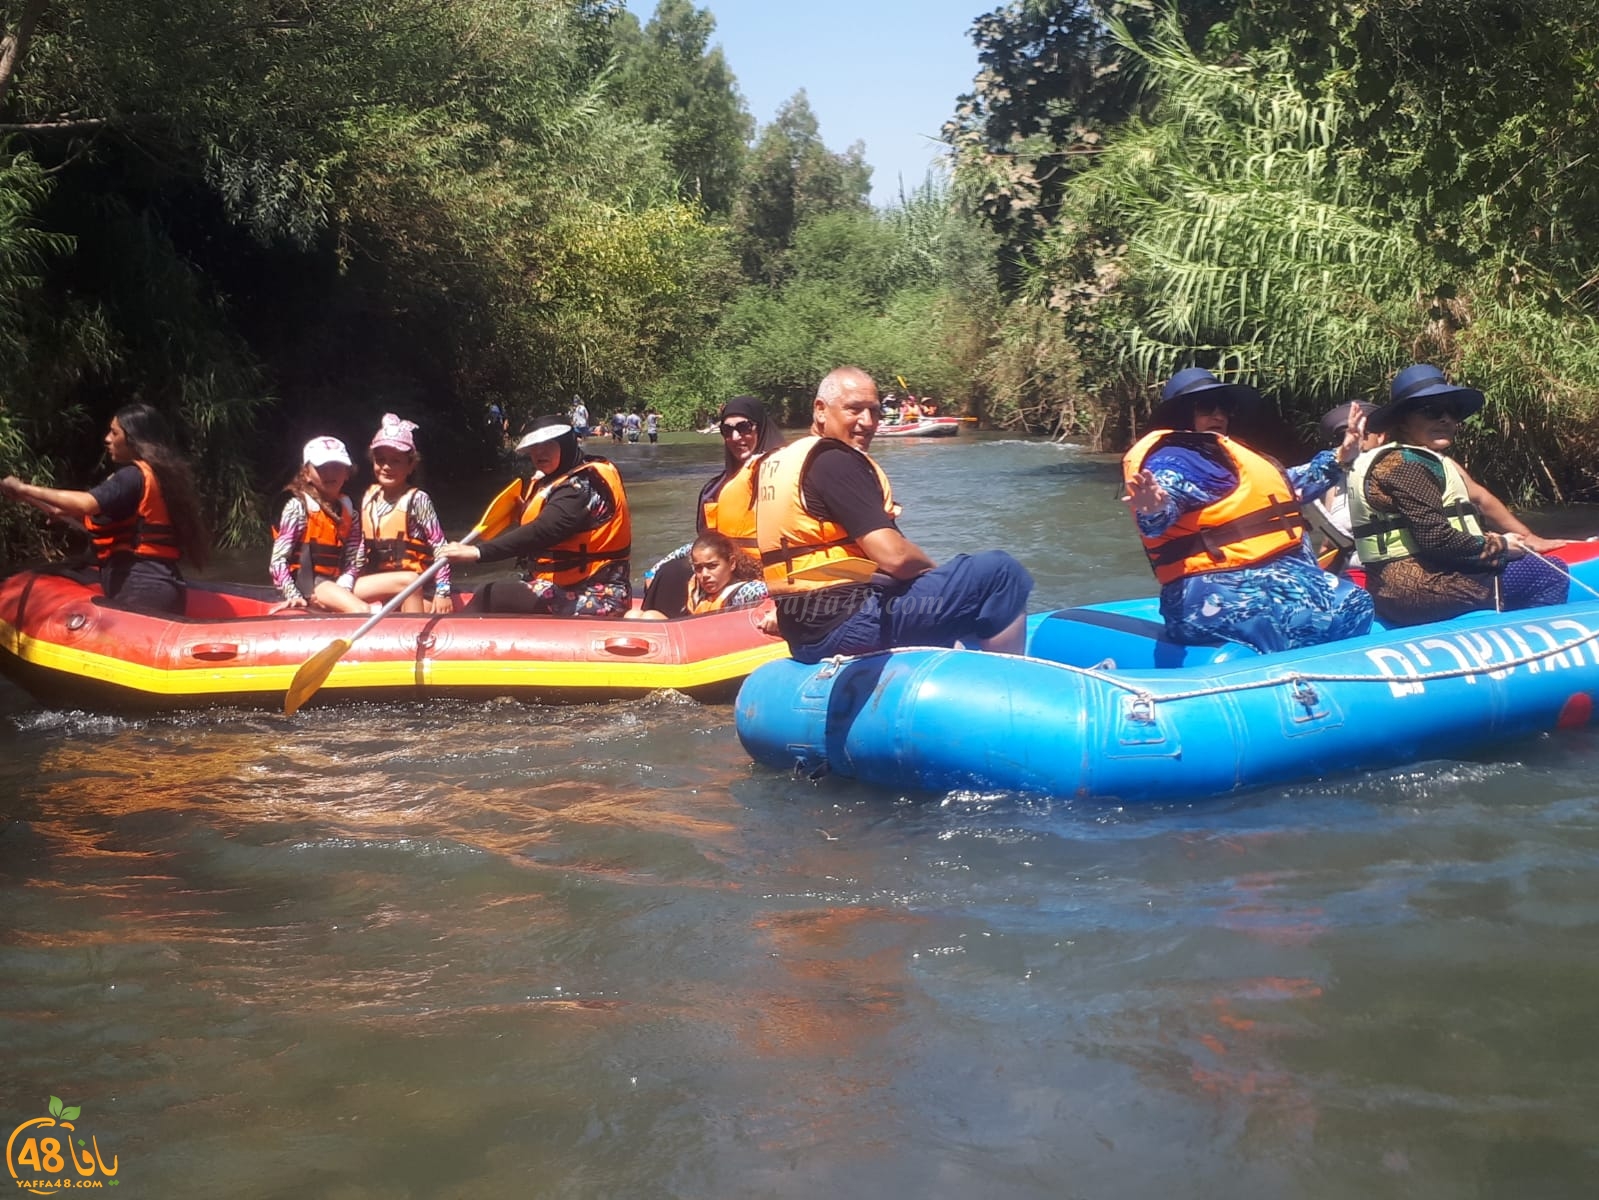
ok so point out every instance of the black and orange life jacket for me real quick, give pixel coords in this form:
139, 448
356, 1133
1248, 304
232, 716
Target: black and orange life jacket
698, 603
321, 551
1258, 519
147, 533
800, 552
569, 563
390, 545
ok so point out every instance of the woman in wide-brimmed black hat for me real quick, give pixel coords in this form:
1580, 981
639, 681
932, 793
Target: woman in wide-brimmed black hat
1222, 527
574, 537
1423, 527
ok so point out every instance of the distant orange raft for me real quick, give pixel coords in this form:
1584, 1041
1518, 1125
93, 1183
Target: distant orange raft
61, 642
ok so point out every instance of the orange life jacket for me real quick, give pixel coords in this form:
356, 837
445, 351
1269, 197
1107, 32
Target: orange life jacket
567, 564
390, 545
800, 552
1256, 520
321, 551
147, 533
731, 511
699, 603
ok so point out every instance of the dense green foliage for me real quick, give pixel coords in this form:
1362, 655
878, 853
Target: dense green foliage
1306, 196
326, 210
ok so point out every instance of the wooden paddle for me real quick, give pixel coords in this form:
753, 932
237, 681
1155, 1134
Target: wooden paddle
314, 671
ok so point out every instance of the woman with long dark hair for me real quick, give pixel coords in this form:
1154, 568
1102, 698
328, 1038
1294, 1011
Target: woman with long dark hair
141, 519
727, 501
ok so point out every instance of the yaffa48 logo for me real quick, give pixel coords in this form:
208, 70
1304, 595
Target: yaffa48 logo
51, 1152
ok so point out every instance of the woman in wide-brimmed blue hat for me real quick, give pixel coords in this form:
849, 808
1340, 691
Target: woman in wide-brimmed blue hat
1434, 542
1222, 527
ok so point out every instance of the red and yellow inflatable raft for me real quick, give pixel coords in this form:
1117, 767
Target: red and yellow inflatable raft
61, 642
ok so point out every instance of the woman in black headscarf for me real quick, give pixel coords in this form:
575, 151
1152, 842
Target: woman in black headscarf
573, 536
727, 501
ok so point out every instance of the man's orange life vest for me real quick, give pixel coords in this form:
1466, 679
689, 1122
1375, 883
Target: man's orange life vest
147, 533
389, 543
569, 563
731, 511
1256, 520
798, 551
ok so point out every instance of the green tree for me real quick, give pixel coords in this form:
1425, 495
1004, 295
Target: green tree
336, 209
790, 177
671, 78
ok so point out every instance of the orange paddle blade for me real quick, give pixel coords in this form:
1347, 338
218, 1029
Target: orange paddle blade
313, 673
502, 511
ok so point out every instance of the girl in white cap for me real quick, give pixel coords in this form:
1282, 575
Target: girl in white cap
316, 547
399, 525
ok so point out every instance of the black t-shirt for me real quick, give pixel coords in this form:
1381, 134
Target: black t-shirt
119, 493
839, 485
579, 503
134, 582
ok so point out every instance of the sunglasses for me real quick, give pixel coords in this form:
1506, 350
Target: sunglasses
1434, 412
737, 428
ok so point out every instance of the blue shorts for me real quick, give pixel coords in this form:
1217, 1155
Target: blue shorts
972, 596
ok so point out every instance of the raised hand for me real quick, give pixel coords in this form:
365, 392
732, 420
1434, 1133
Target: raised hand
1144, 495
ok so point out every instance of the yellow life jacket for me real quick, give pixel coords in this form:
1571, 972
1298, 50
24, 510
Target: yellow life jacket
569, 563
731, 510
800, 552
389, 543
147, 533
1257, 520
1385, 537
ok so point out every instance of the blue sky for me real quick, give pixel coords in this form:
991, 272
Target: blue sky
886, 72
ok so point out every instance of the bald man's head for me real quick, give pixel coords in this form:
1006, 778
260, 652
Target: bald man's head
847, 407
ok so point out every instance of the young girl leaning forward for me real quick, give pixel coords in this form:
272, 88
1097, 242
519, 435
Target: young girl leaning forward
723, 577
399, 525
316, 547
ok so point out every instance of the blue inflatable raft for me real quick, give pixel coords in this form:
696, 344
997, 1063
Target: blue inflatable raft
1104, 706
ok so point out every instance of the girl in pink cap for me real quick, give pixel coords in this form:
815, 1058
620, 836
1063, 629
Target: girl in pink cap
399, 525
316, 546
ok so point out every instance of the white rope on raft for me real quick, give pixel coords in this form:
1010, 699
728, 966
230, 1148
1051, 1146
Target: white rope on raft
1294, 678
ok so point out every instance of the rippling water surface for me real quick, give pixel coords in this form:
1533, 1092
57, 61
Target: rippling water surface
499, 950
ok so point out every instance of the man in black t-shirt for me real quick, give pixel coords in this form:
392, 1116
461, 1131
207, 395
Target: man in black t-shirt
846, 580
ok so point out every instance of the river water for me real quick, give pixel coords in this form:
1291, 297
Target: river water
500, 950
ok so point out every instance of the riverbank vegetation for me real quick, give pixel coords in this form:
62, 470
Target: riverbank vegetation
1306, 197
280, 219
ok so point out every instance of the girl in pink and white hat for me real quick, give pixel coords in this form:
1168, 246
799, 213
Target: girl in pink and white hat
316, 545
399, 525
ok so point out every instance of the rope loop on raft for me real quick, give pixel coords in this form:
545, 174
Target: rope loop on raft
1300, 681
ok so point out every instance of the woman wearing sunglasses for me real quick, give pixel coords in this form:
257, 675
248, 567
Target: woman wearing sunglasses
1222, 527
1420, 522
726, 503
